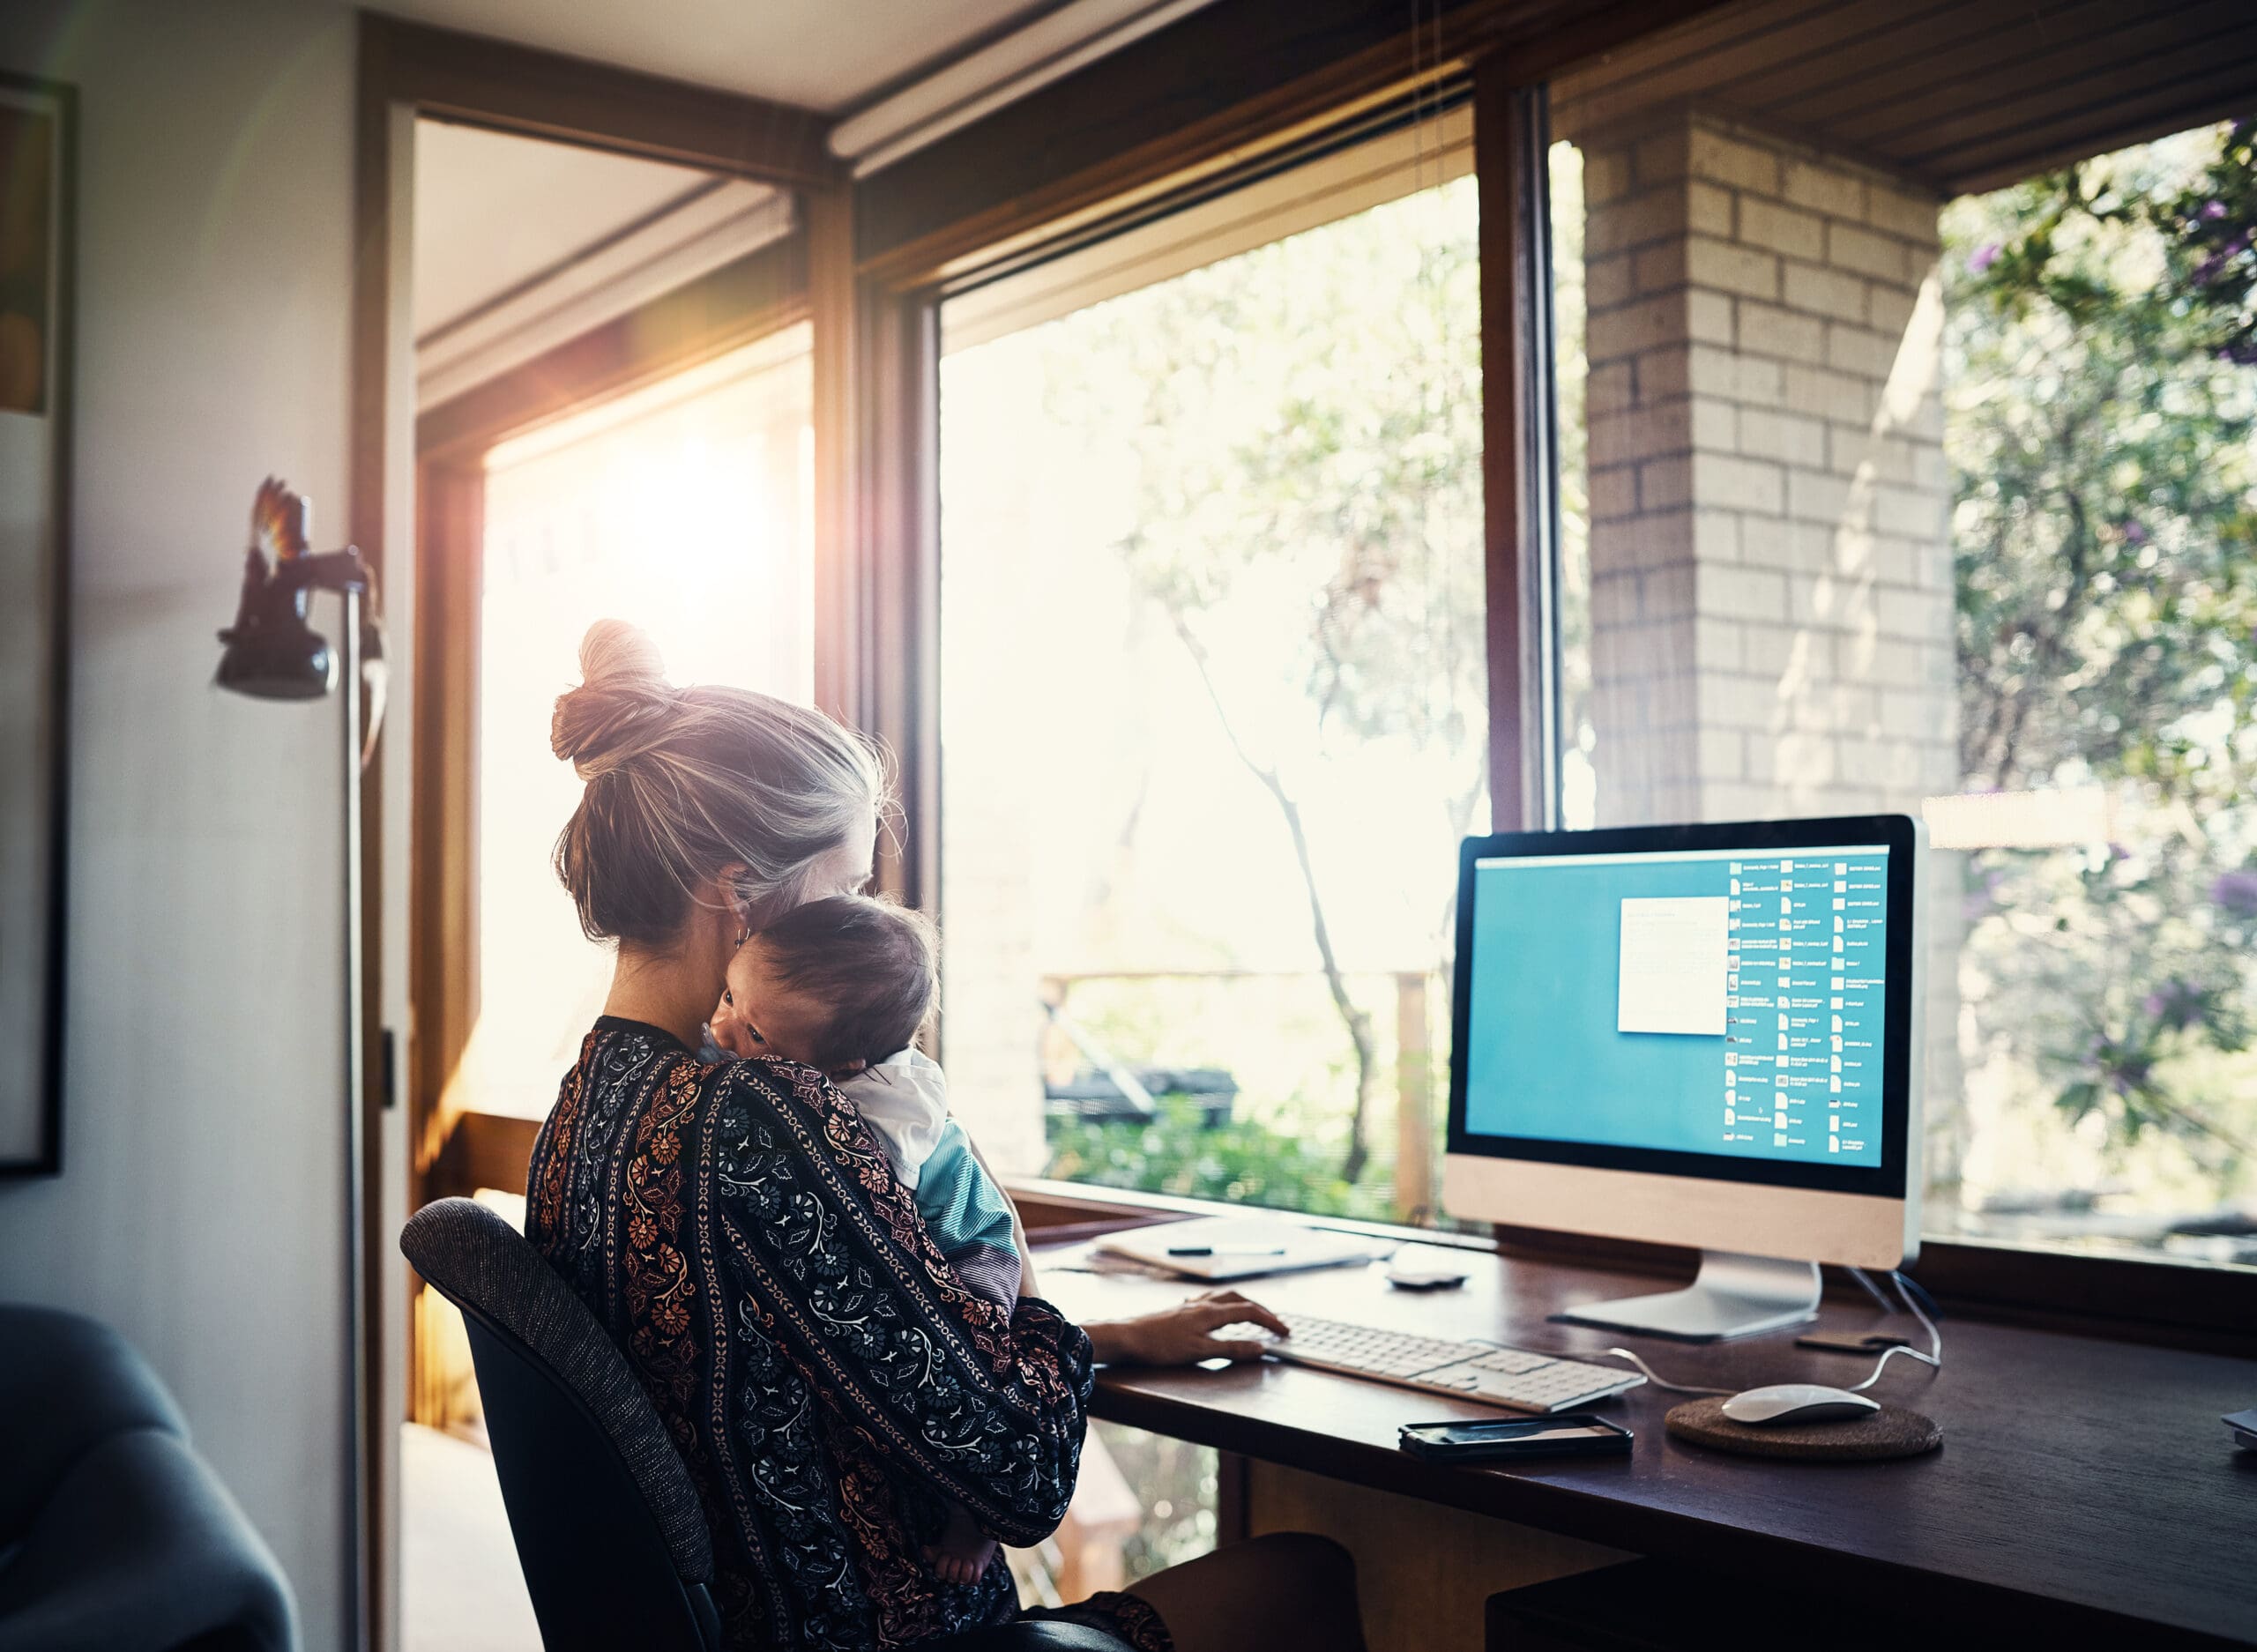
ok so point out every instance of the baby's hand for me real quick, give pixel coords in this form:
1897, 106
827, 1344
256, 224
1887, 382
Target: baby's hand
730, 1032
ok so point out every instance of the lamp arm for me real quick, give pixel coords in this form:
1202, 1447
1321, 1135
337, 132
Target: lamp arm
328, 570
348, 573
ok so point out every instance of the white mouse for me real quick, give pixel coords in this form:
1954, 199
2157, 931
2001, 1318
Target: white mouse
1796, 1402
1424, 1267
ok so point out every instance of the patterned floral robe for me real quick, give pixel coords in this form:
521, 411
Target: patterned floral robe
829, 1379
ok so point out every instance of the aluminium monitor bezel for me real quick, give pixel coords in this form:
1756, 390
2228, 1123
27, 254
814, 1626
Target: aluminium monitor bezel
1900, 836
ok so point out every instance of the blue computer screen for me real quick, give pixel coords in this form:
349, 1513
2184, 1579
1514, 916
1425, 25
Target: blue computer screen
1706, 1001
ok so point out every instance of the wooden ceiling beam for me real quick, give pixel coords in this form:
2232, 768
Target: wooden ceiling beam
2224, 93
1970, 96
1140, 126
1960, 105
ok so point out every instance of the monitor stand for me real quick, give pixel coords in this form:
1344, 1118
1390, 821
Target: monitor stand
1733, 1296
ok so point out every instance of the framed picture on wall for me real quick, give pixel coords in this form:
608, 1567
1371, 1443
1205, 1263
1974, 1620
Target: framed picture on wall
37, 145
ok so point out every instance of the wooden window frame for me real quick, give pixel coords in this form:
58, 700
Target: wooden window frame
2185, 1305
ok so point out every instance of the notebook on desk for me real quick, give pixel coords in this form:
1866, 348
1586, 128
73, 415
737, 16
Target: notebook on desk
1215, 1248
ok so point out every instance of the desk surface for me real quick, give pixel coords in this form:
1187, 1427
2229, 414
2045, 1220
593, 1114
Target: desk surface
2077, 1477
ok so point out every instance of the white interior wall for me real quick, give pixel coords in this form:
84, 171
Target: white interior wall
199, 1209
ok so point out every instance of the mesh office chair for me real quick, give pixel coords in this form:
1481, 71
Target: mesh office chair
607, 1521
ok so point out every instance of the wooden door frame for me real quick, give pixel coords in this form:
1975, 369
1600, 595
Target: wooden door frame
406, 68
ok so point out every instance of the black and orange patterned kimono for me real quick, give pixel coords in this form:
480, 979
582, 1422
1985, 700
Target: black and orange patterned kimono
832, 1383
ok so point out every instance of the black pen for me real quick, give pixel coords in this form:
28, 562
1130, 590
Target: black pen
1227, 1250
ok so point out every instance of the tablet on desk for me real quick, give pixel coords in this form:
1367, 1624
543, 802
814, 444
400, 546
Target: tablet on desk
1215, 1248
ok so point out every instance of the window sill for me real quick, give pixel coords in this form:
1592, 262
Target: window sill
2199, 1307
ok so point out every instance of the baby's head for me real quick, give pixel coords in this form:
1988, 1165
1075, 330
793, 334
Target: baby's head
837, 983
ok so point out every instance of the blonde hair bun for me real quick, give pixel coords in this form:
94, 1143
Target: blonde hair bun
608, 719
688, 785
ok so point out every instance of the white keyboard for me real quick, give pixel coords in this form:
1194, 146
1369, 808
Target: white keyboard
1481, 1372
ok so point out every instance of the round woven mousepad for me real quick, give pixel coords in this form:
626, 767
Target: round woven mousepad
1890, 1431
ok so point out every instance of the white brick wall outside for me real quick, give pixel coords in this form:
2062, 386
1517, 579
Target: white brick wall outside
1772, 599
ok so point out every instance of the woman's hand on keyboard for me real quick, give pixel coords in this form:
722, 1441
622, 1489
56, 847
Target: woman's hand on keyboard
1186, 1334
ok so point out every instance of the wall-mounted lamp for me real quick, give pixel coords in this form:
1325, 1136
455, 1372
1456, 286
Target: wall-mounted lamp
273, 654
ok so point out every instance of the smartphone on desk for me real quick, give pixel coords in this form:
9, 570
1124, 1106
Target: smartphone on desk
1495, 1439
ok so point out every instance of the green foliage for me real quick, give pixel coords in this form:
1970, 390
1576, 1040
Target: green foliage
2211, 230
1302, 423
1349, 474
1242, 1162
2102, 430
2104, 527
2120, 971
1179, 1484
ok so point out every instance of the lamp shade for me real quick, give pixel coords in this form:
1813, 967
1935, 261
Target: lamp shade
272, 653
293, 663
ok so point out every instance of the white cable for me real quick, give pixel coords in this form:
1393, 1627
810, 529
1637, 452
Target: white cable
1933, 1357
1872, 1291
1648, 1372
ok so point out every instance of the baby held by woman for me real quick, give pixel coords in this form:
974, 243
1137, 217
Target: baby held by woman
845, 984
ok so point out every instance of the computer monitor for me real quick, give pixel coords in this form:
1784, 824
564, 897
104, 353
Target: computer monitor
1706, 1036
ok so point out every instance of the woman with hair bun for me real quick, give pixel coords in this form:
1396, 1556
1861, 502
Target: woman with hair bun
835, 1388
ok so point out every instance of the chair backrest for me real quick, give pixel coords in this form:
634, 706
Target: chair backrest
607, 1523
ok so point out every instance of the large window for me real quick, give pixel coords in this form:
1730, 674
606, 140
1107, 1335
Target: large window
1213, 695
1873, 501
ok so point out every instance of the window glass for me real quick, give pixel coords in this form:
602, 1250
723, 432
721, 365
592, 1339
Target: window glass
1872, 503
1213, 687
2100, 388
684, 509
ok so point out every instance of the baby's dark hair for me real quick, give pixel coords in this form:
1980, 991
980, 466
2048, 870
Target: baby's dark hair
874, 964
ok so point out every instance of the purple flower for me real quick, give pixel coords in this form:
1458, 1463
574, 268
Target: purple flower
2237, 892
2213, 209
2134, 533
2175, 1004
2124, 1069
2206, 272
1983, 257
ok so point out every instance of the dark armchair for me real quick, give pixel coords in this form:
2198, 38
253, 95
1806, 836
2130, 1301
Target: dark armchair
114, 1535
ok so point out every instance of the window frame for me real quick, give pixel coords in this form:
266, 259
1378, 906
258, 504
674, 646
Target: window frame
899, 291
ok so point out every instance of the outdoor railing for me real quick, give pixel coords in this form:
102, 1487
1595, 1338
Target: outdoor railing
1414, 1191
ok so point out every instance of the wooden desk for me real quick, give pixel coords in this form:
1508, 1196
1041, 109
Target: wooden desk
2085, 1487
